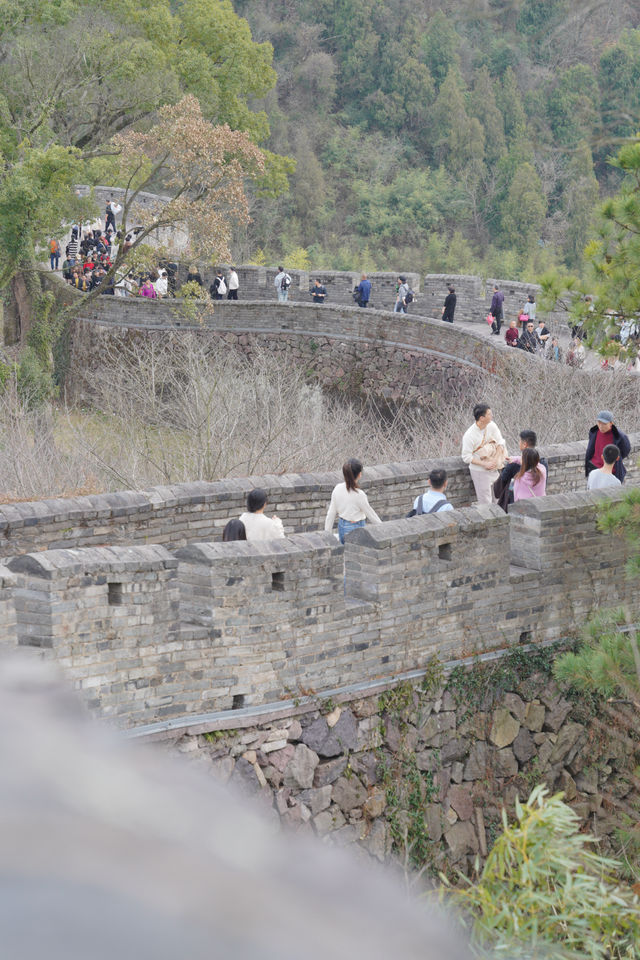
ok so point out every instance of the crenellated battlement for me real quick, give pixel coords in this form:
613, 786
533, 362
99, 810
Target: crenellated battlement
153, 618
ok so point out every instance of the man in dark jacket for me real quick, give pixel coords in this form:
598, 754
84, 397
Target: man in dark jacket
363, 291
528, 341
603, 433
318, 292
496, 310
449, 305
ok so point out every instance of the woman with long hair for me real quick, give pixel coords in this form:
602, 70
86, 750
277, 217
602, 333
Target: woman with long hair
531, 479
349, 503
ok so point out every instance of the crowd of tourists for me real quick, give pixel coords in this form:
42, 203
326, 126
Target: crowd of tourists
497, 478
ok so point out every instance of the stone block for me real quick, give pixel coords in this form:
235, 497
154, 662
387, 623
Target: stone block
375, 803
534, 717
477, 764
461, 840
348, 793
504, 728
505, 764
329, 771
459, 797
300, 770
523, 746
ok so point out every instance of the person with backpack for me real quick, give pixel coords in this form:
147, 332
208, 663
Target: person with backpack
433, 500
282, 283
404, 296
54, 253
218, 288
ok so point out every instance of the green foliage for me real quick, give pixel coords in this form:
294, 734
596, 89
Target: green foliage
485, 682
524, 209
608, 661
573, 105
543, 892
407, 791
619, 81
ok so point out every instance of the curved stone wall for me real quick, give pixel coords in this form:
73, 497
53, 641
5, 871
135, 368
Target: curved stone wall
374, 352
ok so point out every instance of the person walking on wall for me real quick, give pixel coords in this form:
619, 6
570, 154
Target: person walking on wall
435, 499
256, 525
282, 283
484, 450
531, 479
449, 305
54, 253
403, 290
363, 291
233, 284
349, 503
601, 435
496, 310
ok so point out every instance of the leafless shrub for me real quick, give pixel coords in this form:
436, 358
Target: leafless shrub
190, 409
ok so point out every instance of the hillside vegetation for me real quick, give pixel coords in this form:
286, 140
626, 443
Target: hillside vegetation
471, 135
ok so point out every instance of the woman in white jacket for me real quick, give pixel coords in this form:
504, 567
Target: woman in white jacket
349, 503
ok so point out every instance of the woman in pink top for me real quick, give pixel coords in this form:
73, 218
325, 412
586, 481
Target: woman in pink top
531, 480
147, 290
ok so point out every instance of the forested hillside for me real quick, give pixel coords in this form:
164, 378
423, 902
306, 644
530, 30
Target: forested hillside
472, 135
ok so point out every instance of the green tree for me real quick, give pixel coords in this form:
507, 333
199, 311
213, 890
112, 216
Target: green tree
580, 202
524, 210
485, 108
619, 81
440, 44
457, 137
615, 253
573, 105
509, 103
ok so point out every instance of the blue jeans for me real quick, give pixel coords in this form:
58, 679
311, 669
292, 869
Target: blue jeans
283, 295
346, 526
400, 307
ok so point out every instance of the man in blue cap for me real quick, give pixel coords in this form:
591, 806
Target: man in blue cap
600, 436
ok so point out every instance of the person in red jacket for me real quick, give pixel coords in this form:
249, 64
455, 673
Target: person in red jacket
511, 336
600, 436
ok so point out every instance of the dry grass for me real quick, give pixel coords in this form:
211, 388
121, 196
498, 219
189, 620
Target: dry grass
163, 416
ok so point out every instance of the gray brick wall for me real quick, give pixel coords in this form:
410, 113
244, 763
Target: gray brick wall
147, 634
189, 512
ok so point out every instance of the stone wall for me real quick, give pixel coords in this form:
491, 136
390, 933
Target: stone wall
261, 622
421, 772
8, 628
191, 512
364, 352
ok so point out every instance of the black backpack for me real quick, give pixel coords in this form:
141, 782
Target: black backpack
434, 509
408, 298
285, 283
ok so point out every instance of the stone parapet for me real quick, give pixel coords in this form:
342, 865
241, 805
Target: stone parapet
147, 634
189, 512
